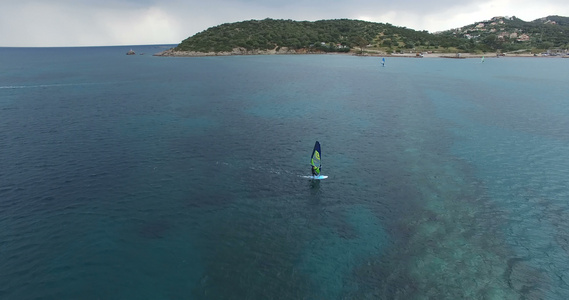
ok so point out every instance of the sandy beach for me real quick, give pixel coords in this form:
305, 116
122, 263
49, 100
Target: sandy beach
463, 55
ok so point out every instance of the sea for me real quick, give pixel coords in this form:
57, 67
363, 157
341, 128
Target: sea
146, 177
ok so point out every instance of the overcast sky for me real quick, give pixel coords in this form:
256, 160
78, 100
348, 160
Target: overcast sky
50, 23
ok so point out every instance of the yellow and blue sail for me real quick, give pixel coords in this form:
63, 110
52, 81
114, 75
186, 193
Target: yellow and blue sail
315, 159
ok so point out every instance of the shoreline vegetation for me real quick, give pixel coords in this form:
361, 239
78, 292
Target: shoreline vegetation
285, 51
500, 36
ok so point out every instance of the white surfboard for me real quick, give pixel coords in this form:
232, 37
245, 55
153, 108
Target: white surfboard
319, 177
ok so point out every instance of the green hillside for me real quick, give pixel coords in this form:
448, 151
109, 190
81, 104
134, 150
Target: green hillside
326, 35
500, 34
512, 34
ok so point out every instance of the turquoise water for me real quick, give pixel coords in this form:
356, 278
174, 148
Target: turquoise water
142, 177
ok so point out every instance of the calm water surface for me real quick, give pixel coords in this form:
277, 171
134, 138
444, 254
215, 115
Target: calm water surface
142, 177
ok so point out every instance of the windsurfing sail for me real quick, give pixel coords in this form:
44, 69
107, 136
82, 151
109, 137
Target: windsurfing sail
383, 62
482, 59
315, 159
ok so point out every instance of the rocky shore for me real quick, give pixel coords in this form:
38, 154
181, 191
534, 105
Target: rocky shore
285, 50
235, 51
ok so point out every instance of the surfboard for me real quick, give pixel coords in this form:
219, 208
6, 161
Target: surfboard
319, 177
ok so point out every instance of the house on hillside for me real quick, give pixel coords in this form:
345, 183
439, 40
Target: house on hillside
523, 38
502, 36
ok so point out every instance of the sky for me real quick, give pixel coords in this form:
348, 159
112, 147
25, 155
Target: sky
70, 23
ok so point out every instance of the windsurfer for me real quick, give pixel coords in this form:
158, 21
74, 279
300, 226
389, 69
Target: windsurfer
315, 160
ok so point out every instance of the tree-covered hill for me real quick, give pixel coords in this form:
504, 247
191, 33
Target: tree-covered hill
500, 34
325, 35
511, 34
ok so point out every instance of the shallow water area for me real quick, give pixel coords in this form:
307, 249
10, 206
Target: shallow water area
182, 178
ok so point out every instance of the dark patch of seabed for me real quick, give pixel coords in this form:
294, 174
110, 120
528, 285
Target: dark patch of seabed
442, 251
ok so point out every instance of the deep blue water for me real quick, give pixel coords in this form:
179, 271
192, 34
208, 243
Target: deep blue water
142, 177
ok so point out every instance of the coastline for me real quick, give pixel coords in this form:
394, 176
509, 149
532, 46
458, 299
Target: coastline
287, 51
235, 51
